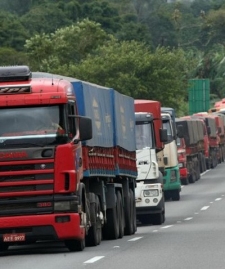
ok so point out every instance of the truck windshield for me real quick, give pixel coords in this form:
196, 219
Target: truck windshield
41, 125
168, 127
144, 135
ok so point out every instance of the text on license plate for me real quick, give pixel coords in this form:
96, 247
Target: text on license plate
13, 237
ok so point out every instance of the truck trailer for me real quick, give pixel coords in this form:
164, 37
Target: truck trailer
68, 160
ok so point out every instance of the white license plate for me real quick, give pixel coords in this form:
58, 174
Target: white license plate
13, 237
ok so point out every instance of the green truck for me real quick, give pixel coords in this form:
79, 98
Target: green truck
171, 178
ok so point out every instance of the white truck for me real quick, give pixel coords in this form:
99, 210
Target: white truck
149, 195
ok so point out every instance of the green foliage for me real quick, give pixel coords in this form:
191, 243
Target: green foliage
67, 45
132, 69
18, 7
12, 33
9, 56
44, 19
112, 46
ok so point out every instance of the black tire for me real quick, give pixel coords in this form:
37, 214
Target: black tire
111, 227
208, 164
130, 214
176, 195
204, 163
94, 235
167, 195
191, 178
184, 181
134, 211
145, 219
75, 245
121, 214
197, 171
158, 219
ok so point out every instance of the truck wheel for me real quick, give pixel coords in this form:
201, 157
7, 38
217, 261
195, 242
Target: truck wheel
191, 178
94, 233
158, 219
184, 181
133, 203
130, 227
75, 245
121, 214
111, 227
176, 195
145, 219
204, 163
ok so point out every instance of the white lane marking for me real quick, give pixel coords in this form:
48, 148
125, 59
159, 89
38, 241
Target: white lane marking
222, 195
165, 227
218, 199
204, 172
179, 221
155, 231
116, 247
94, 259
189, 218
196, 213
211, 202
135, 239
204, 207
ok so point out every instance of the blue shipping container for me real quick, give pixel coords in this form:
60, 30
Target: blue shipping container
124, 117
95, 102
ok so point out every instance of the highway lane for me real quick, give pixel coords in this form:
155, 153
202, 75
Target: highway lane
191, 237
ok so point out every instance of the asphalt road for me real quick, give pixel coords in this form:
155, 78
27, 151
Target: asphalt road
193, 236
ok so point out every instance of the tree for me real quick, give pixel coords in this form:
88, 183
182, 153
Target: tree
132, 69
66, 45
45, 18
9, 56
12, 33
214, 25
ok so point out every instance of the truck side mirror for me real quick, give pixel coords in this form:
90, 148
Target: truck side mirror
85, 128
163, 135
180, 132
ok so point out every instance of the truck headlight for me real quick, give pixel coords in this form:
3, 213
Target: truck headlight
63, 206
151, 193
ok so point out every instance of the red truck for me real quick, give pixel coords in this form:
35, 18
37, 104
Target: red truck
193, 130
182, 159
67, 160
219, 118
212, 132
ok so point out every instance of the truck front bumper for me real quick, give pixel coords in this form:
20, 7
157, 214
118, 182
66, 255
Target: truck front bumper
42, 227
142, 210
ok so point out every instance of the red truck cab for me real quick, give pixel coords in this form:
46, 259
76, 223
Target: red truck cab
182, 159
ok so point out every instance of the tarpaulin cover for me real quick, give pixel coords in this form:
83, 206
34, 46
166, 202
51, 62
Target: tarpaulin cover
95, 102
124, 117
188, 131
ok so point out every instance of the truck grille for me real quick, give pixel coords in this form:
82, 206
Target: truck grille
26, 185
